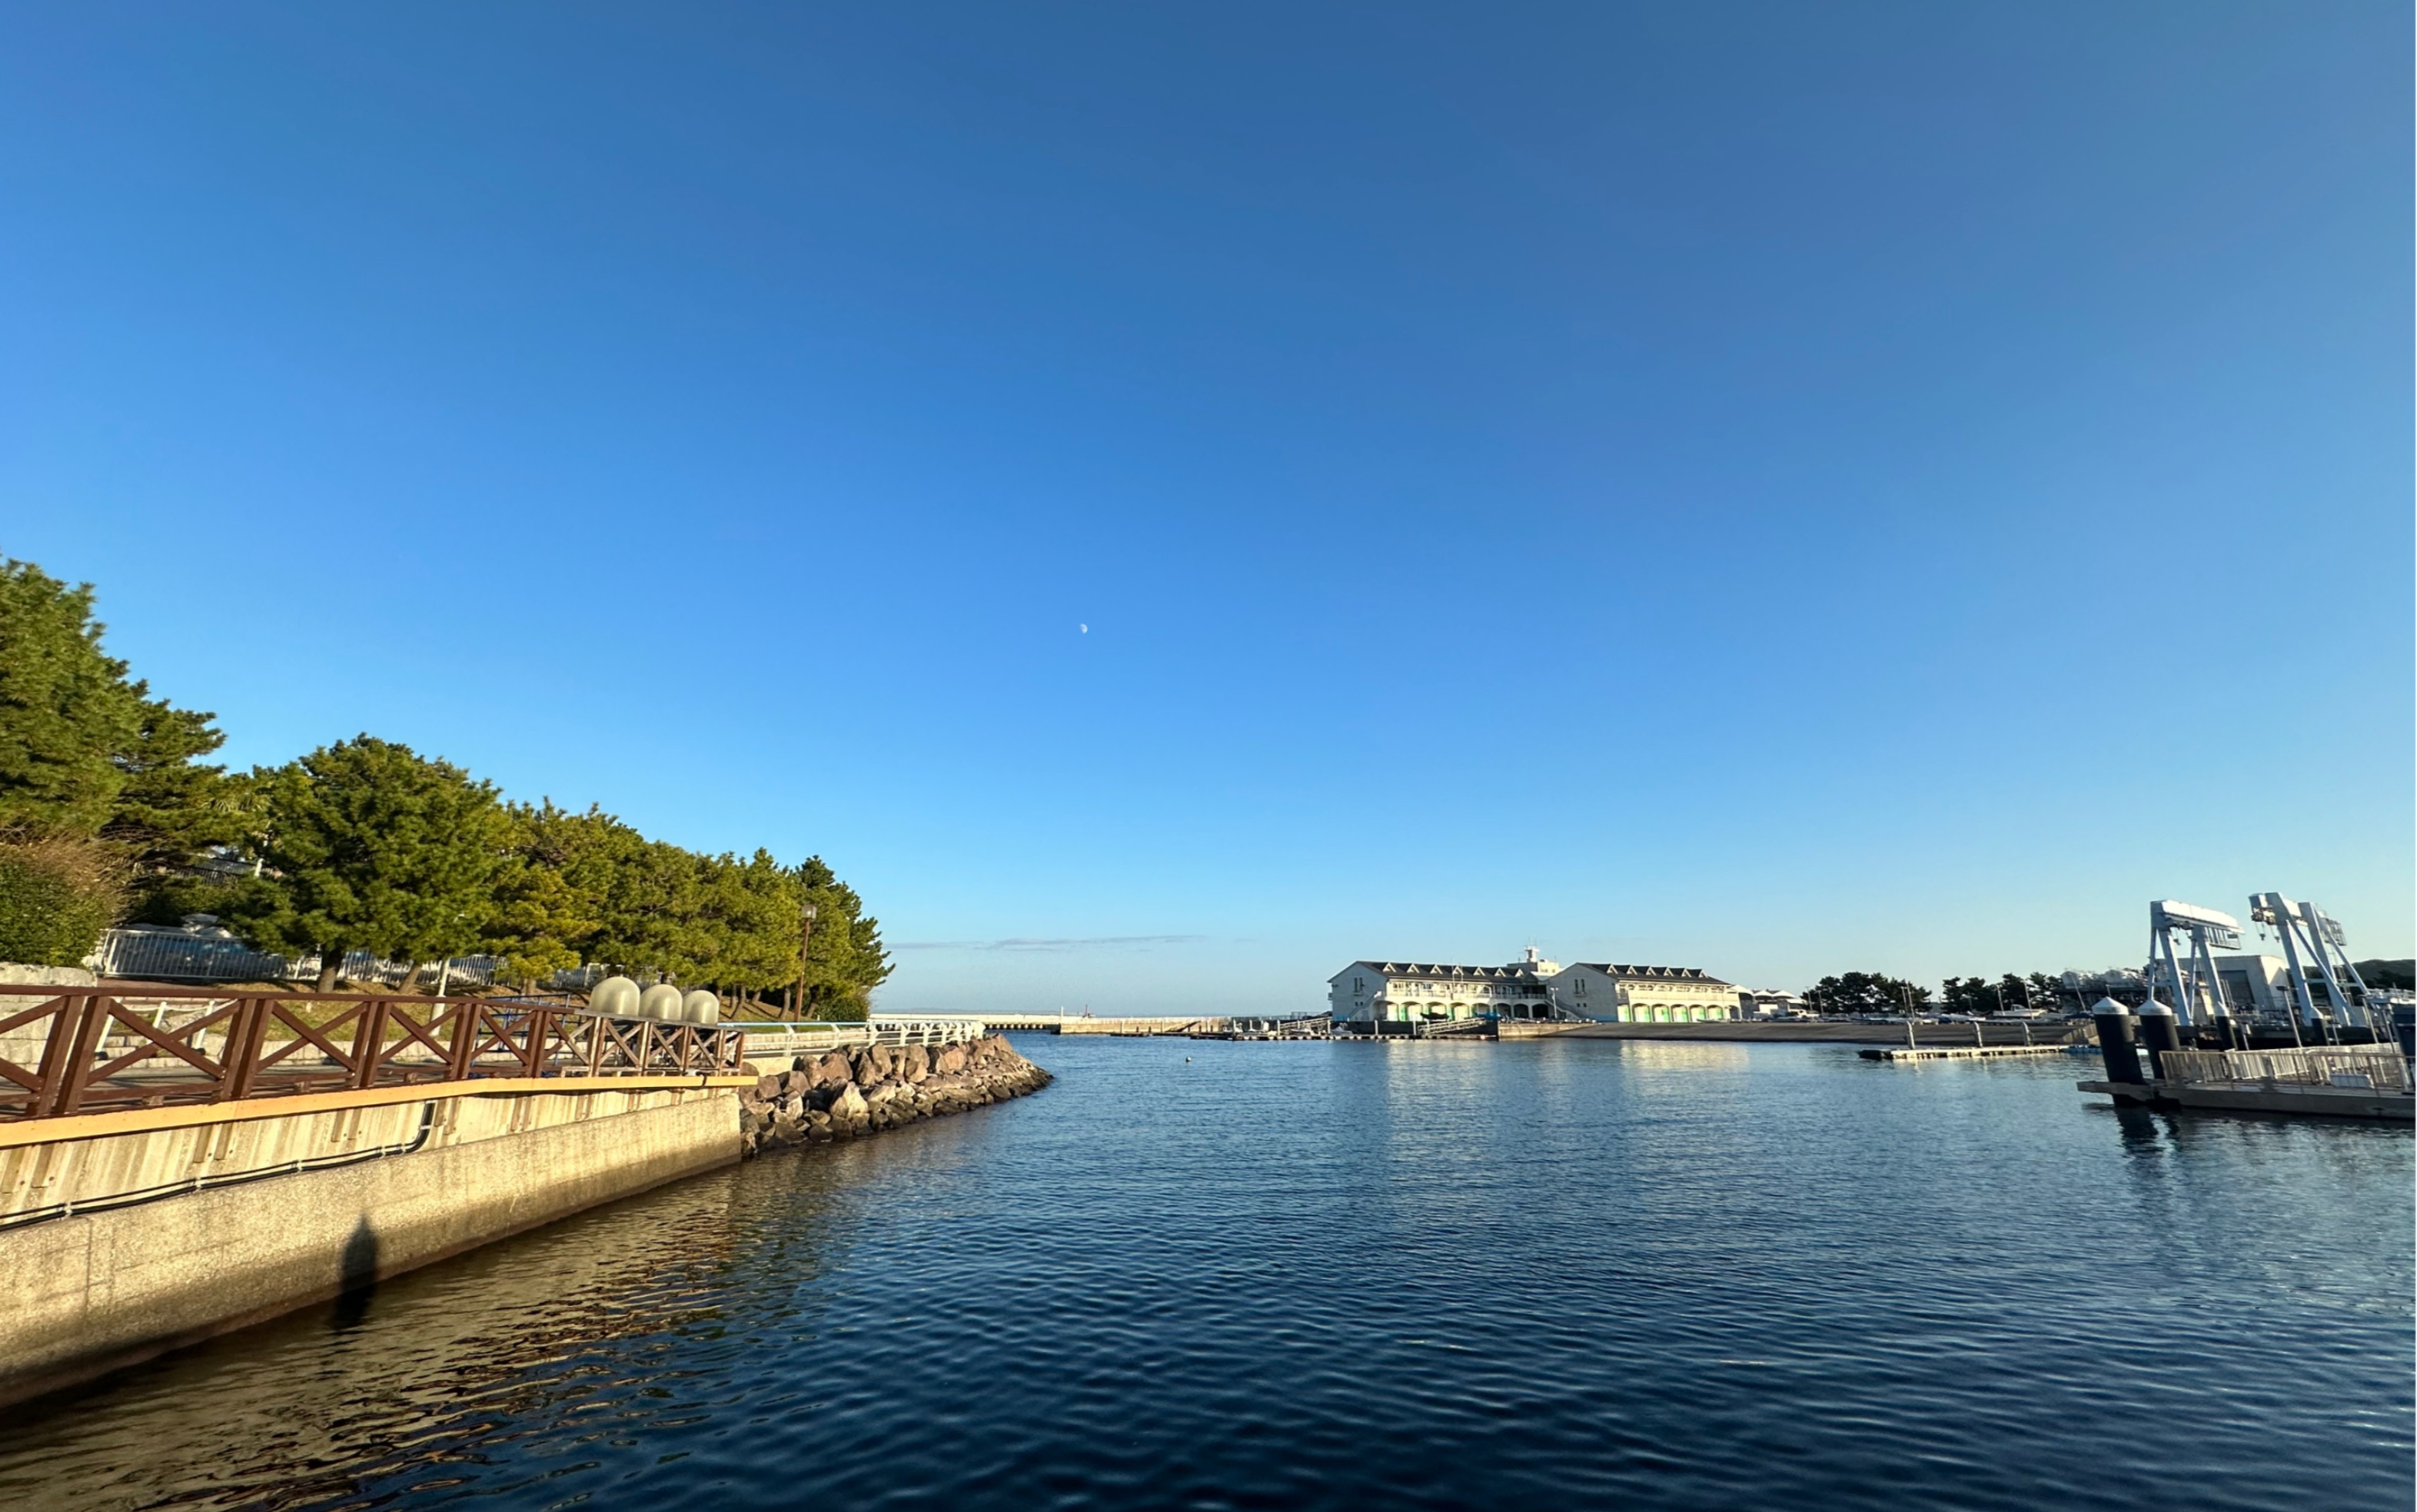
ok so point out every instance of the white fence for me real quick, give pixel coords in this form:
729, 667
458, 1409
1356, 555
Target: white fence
772, 1042
182, 956
2376, 1066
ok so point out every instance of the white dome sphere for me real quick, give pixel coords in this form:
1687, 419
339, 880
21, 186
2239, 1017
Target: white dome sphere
660, 1001
701, 1006
614, 997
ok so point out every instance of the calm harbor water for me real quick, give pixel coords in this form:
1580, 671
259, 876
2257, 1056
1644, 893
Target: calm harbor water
1553, 1275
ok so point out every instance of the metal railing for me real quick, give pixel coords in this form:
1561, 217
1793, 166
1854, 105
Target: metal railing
151, 955
136, 1045
2379, 1064
816, 1037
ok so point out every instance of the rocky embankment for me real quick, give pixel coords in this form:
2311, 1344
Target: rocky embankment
840, 1097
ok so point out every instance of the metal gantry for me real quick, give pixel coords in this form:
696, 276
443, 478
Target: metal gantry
2188, 977
2310, 936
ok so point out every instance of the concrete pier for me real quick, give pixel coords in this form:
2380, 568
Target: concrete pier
127, 1234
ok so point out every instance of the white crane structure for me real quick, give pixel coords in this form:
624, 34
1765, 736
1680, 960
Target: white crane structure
2191, 984
2310, 936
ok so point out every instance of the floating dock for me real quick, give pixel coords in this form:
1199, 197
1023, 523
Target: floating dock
2185, 1047
1958, 1053
2263, 1097
2329, 1081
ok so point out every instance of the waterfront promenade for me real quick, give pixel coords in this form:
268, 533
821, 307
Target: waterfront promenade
174, 1164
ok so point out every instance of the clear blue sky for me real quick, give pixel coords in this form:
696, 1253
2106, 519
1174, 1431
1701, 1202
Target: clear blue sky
1782, 489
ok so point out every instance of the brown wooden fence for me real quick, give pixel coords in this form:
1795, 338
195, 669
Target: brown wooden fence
134, 1044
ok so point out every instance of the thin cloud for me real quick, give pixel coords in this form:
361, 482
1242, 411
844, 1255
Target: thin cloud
1097, 942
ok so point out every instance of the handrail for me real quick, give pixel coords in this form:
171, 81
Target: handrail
78, 1050
2315, 1065
825, 1035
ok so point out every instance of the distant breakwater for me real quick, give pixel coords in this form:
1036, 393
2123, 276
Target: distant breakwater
840, 1097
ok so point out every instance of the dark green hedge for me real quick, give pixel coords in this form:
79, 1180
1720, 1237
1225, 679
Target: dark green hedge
55, 901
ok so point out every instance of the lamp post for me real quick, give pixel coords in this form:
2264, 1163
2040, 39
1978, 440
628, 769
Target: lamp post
805, 940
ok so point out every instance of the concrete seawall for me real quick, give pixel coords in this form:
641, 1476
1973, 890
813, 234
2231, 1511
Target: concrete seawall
128, 1234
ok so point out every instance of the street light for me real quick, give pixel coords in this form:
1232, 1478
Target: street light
805, 940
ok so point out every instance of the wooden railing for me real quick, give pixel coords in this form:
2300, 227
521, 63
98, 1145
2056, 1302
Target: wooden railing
68, 1051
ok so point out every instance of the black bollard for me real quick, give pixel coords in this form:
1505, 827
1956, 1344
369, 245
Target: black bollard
2158, 1035
2118, 1046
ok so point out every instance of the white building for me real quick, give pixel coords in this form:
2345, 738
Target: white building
2260, 987
1409, 992
1611, 993
1770, 1003
1405, 991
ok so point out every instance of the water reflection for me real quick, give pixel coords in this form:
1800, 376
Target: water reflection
400, 1378
1550, 1273
1673, 1055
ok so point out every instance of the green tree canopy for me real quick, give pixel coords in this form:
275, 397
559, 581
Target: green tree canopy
361, 845
549, 890
373, 847
1968, 995
67, 708
846, 960
2399, 975
170, 806
752, 914
1864, 993
86, 750
587, 888
93, 768
2010, 993
56, 895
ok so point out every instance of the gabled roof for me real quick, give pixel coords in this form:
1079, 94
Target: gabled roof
1657, 973
1412, 968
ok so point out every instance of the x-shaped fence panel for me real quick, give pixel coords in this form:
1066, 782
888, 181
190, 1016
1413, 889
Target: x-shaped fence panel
66, 1050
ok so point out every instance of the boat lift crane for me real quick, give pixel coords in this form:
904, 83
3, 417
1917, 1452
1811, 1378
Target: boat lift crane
2305, 928
2194, 988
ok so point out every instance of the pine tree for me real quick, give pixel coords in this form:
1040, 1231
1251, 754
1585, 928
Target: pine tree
373, 847
846, 960
546, 903
66, 709
92, 767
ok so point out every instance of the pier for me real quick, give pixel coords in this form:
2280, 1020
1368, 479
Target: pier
175, 1163
2332, 1081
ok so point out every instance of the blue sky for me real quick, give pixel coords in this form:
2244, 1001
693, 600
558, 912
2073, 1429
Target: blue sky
1777, 489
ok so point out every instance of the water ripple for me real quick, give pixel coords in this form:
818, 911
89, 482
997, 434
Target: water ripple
1331, 1276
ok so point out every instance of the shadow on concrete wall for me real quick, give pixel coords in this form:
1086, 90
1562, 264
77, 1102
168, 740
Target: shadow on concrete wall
359, 1273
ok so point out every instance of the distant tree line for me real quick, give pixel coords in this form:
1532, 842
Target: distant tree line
2400, 976
1858, 991
107, 812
